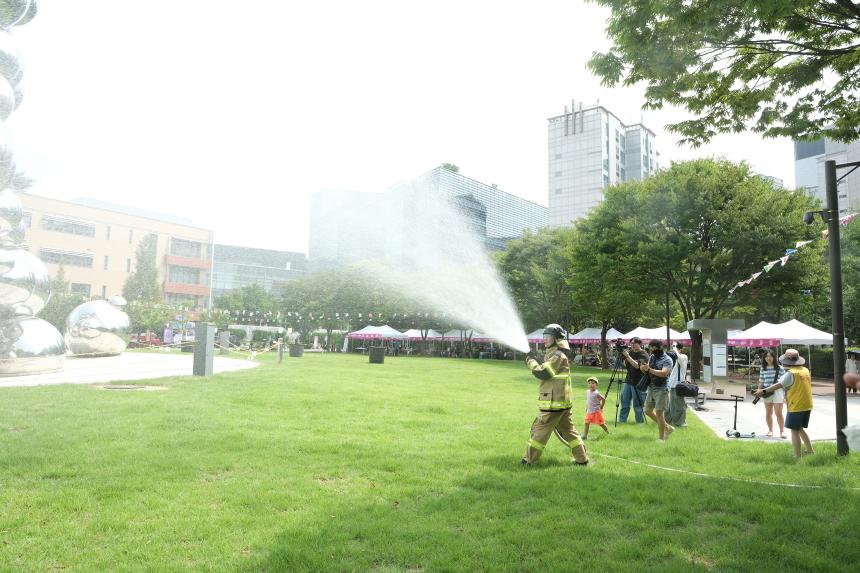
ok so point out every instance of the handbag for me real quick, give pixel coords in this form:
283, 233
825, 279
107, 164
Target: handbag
687, 389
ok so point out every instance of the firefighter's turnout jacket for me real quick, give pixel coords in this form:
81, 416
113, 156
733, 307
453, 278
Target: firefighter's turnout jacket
555, 391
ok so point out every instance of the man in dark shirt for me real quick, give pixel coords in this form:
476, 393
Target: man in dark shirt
657, 400
632, 360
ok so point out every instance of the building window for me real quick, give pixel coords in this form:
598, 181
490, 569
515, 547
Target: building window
70, 258
81, 289
183, 248
130, 236
128, 265
69, 226
289, 266
104, 291
28, 219
107, 233
106, 262
184, 275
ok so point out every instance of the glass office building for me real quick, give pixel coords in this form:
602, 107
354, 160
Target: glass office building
589, 150
495, 215
237, 267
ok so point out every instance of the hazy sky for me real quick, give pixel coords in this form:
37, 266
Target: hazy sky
234, 113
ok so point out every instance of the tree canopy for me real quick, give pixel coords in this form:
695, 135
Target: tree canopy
778, 67
142, 284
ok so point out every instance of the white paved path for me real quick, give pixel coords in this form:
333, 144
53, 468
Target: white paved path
126, 366
719, 415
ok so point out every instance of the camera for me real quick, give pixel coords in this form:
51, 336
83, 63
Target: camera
620, 346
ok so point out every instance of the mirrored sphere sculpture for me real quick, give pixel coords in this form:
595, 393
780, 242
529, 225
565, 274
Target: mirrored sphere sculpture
97, 328
28, 345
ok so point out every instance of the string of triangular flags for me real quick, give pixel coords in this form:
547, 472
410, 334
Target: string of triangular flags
781, 261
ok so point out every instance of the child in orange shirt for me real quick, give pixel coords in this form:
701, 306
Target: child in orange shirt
594, 408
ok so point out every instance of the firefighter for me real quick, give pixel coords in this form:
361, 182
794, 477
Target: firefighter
554, 399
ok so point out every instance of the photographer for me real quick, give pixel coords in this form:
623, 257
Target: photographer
633, 357
657, 400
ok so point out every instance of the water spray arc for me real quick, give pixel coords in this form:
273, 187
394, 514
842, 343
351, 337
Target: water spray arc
443, 263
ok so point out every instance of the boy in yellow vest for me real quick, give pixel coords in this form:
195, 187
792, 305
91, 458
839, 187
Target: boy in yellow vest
798, 393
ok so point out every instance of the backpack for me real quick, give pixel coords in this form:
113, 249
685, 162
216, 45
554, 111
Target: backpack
687, 389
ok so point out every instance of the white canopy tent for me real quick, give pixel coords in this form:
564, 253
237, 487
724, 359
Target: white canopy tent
784, 334
383, 332
535, 337
592, 336
658, 333
415, 335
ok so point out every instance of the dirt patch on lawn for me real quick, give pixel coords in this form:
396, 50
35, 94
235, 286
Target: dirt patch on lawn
130, 387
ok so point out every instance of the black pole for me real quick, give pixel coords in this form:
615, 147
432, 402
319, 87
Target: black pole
836, 299
668, 341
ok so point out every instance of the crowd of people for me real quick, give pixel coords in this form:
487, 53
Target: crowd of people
650, 388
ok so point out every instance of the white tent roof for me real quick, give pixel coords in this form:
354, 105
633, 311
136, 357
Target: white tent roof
791, 332
390, 333
415, 334
536, 336
658, 333
384, 332
593, 335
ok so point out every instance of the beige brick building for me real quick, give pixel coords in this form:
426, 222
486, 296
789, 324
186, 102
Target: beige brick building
96, 242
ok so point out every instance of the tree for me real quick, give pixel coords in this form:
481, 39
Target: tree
537, 273
142, 284
700, 227
850, 280
450, 167
606, 277
779, 67
61, 303
146, 316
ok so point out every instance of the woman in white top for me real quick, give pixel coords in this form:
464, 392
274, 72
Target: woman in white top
769, 375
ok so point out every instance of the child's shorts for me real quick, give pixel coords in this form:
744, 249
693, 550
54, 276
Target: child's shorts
595, 418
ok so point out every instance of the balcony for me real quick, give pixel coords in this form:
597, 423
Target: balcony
177, 261
178, 288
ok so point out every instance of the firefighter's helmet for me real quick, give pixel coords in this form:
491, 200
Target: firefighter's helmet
556, 331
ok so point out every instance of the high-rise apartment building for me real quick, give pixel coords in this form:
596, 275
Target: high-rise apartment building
809, 158
590, 148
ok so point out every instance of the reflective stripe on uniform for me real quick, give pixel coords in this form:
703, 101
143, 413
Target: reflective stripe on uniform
551, 405
548, 367
536, 445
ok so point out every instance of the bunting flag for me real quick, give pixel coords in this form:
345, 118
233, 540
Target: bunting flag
801, 244
770, 265
783, 260
756, 275
847, 219
790, 252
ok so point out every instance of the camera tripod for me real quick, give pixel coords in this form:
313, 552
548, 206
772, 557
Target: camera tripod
615, 378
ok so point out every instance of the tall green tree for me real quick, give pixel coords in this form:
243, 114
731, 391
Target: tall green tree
700, 227
778, 67
537, 274
142, 285
606, 276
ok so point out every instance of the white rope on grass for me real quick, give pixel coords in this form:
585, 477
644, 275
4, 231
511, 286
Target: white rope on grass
729, 478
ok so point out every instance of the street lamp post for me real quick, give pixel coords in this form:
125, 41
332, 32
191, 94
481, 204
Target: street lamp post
831, 216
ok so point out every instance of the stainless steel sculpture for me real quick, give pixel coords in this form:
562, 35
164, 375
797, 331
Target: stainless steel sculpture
98, 328
28, 345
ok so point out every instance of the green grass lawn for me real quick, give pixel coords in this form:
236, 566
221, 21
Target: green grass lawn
328, 463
